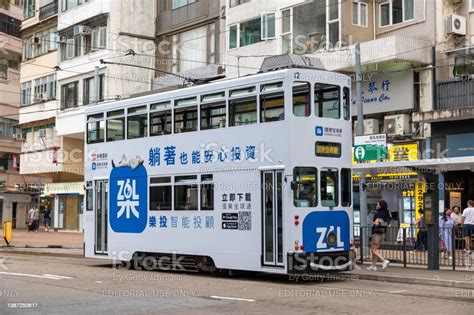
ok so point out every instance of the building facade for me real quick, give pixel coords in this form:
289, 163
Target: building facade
64, 74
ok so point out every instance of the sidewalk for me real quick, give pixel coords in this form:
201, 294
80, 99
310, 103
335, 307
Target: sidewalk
69, 244
463, 279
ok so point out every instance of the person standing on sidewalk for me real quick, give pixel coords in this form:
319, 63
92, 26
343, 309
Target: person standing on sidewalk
446, 225
46, 218
379, 227
31, 219
457, 219
468, 225
36, 219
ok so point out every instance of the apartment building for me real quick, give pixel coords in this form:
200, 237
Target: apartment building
395, 36
17, 192
190, 38
63, 43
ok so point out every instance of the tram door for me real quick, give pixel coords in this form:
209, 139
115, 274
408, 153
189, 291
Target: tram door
272, 230
101, 215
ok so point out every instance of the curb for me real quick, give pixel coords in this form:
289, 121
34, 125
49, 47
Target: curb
419, 281
49, 254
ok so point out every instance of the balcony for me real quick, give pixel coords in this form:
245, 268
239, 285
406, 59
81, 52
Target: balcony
48, 10
455, 94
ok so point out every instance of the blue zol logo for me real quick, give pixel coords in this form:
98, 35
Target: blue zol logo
128, 199
326, 231
319, 131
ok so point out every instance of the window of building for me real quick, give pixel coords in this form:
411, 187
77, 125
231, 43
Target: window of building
346, 187
115, 125
186, 115
71, 4
252, 31
301, 99
88, 96
45, 88
396, 11
213, 111
137, 122
471, 5
359, 13
44, 41
234, 3
463, 66
26, 93
92, 38
175, 4
233, 37
329, 187
161, 194
207, 193
186, 193
27, 50
310, 27
10, 25
160, 119
272, 102
327, 101
69, 95
243, 107
28, 8
305, 193
268, 25
95, 128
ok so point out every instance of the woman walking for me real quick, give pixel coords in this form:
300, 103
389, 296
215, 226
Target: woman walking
379, 228
446, 225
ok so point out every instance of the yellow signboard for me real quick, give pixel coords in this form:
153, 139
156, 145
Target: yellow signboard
420, 189
7, 232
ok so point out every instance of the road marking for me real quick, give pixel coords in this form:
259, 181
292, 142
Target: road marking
398, 291
231, 298
98, 282
45, 276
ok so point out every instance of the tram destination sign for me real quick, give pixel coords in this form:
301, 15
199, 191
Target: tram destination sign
370, 148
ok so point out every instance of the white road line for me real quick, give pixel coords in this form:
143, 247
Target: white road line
398, 291
231, 298
52, 277
57, 276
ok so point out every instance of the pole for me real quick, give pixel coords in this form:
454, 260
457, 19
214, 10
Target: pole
96, 85
360, 132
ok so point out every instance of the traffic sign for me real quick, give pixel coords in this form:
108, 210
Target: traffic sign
370, 148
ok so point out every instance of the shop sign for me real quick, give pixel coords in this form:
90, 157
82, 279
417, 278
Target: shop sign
460, 145
420, 189
403, 152
63, 188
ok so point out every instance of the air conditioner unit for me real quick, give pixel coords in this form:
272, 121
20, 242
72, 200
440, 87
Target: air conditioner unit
19, 136
44, 97
38, 97
81, 30
397, 125
61, 40
42, 133
456, 24
371, 126
35, 41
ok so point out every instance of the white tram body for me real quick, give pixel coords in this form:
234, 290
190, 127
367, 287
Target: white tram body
249, 174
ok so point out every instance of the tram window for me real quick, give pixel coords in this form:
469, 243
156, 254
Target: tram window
137, 122
89, 200
243, 111
213, 116
160, 123
207, 193
160, 194
329, 187
301, 99
346, 187
347, 104
212, 97
185, 120
186, 193
327, 100
272, 107
305, 194
115, 125
95, 128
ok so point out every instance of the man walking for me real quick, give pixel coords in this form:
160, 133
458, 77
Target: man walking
31, 218
468, 225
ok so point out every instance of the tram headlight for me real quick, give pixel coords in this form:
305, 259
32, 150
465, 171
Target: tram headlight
331, 239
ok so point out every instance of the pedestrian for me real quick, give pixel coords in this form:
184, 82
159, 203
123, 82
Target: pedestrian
421, 235
456, 216
36, 219
380, 223
46, 218
446, 225
468, 226
31, 218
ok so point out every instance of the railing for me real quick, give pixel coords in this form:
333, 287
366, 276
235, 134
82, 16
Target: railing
409, 246
48, 10
454, 94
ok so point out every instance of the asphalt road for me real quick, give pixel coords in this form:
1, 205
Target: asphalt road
49, 285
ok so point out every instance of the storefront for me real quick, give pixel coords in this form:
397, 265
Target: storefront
14, 207
67, 203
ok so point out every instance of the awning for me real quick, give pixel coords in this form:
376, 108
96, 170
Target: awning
432, 166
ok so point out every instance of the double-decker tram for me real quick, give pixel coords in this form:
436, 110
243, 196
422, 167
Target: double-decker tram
251, 173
